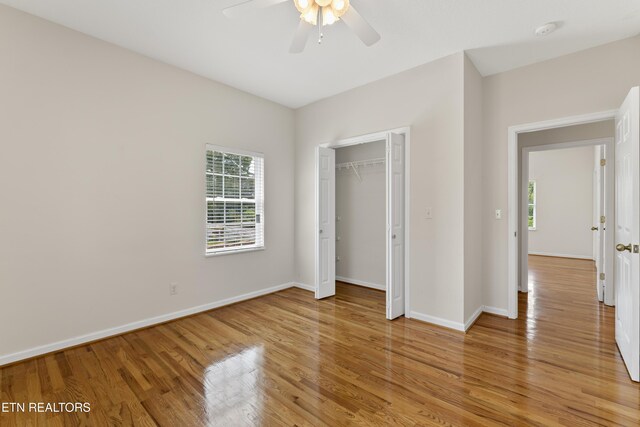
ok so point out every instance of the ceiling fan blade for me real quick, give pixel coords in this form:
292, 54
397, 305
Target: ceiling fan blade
300, 37
358, 25
241, 8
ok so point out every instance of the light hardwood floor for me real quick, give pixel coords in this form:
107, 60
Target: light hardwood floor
287, 359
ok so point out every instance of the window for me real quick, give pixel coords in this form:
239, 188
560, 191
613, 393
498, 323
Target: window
532, 205
235, 212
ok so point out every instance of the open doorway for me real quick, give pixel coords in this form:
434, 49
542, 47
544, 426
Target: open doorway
348, 237
563, 265
567, 190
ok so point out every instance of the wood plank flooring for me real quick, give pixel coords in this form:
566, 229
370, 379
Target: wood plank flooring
287, 359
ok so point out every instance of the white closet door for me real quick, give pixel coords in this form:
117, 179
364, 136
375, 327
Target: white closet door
395, 225
325, 222
627, 232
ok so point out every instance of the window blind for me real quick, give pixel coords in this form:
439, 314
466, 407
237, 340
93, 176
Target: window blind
235, 200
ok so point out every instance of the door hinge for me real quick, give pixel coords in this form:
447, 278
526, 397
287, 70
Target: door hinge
601, 276
603, 219
603, 162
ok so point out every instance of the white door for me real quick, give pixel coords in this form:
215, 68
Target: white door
395, 225
325, 222
627, 232
598, 211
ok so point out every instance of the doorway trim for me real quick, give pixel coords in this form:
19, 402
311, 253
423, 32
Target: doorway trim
378, 136
513, 200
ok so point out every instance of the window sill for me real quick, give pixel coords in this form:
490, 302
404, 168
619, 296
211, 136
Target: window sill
532, 229
236, 251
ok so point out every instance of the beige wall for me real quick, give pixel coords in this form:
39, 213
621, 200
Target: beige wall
593, 80
564, 182
102, 183
361, 213
473, 191
597, 130
428, 98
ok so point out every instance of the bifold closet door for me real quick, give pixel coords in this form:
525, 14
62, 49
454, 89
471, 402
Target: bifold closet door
325, 222
395, 225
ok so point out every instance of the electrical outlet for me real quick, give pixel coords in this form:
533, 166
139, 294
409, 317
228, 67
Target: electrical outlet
173, 289
428, 213
498, 213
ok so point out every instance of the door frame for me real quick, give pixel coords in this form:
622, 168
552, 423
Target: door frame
373, 137
514, 241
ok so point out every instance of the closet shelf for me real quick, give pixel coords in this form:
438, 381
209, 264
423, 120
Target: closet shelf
358, 163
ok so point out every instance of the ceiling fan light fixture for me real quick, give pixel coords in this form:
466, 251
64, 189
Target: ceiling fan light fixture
310, 14
339, 7
328, 17
332, 10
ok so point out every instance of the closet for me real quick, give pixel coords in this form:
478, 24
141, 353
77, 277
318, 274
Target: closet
361, 215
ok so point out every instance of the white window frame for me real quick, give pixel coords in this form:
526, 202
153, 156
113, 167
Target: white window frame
534, 204
259, 203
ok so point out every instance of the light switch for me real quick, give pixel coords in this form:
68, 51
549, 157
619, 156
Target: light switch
498, 213
428, 214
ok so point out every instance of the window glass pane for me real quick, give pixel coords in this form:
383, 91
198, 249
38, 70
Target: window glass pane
531, 224
217, 185
217, 162
248, 212
233, 235
209, 161
218, 212
247, 166
248, 188
532, 187
248, 234
233, 211
531, 209
231, 187
215, 237
209, 185
231, 164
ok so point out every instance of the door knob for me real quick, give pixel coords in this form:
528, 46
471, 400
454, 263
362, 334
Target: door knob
594, 228
621, 248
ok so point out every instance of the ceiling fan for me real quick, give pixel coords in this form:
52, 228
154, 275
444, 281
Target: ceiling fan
314, 13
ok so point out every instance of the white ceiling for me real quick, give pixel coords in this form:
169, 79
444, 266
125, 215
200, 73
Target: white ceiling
251, 52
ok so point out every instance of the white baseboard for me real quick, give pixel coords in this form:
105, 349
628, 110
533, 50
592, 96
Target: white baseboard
105, 333
471, 320
305, 287
362, 283
589, 257
457, 326
495, 310
437, 321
